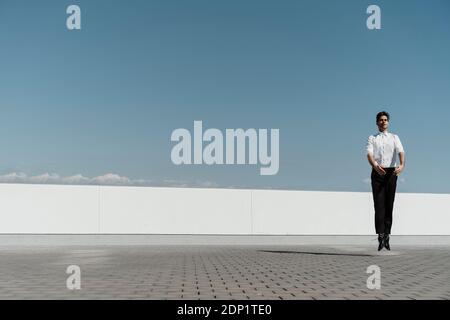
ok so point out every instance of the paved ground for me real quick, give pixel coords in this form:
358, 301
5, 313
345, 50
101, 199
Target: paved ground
224, 272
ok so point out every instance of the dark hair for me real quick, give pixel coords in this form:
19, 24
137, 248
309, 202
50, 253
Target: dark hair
382, 113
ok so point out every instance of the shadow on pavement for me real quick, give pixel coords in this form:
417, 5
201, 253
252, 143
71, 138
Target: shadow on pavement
320, 253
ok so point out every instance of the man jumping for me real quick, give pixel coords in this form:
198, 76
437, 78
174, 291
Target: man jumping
382, 149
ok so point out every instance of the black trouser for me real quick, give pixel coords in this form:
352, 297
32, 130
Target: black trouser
383, 191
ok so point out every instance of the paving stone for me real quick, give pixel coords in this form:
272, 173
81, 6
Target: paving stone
223, 272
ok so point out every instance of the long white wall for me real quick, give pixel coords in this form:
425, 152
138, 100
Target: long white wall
61, 209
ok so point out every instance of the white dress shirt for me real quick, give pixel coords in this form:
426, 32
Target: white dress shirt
384, 147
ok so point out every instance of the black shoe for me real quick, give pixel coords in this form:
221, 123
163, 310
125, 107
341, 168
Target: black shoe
380, 242
386, 242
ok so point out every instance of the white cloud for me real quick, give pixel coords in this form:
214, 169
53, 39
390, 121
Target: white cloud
106, 179
111, 179
45, 178
13, 177
76, 179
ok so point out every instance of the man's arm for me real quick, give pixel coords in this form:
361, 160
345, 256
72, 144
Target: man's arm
401, 155
399, 169
372, 161
375, 165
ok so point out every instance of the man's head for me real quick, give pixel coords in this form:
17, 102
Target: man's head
382, 120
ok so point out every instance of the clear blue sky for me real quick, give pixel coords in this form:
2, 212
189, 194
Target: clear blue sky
105, 99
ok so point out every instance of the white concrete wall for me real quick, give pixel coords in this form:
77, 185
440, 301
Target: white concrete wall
174, 210
59, 209
48, 209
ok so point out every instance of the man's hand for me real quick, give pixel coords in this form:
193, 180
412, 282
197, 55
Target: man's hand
379, 170
399, 169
